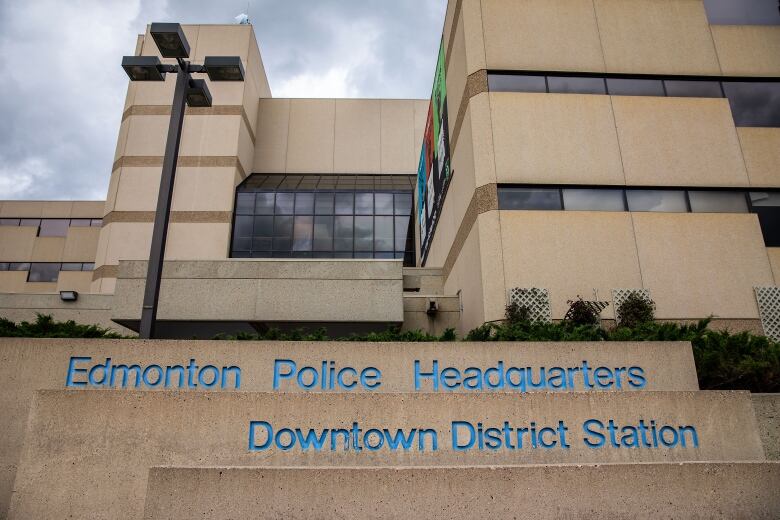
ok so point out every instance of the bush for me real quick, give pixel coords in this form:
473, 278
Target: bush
516, 313
583, 312
44, 326
635, 310
392, 334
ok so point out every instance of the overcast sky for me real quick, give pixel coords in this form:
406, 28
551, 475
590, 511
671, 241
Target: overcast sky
62, 89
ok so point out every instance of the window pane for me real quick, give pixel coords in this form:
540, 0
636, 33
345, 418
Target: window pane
96, 222
528, 198
80, 222
302, 237
283, 226
718, 202
19, 266
324, 204
593, 200
401, 230
635, 87
9, 221
264, 204
264, 226
4, 266
364, 203
53, 227
364, 233
323, 233
705, 89
71, 266
345, 203
304, 203
30, 222
403, 203
570, 85
245, 203
383, 234
656, 200
754, 103
516, 83
265, 253
763, 198
88, 266
284, 203
43, 272
742, 12
384, 203
242, 233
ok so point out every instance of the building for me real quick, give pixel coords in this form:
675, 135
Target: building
580, 147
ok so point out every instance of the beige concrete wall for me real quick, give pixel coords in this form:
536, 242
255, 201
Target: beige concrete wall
89, 309
240, 290
767, 408
338, 135
761, 150
679, 490
210, 429
466, 279
748, 50
774, 260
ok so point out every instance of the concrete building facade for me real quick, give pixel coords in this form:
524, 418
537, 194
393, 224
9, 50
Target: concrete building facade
593, 147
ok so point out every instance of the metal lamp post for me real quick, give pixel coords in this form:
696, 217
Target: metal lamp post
172, 43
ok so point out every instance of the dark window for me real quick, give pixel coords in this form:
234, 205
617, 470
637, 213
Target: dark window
9, 221
53, 227
718, 201
657, 200
767, 206
516, 83
742, 12
575, 85
19, 266
529, 198
33, 222
96, 222
593, 200
635, 87
4, 266
43, 272
324, 217
754, 103
88, 266
71, 266
704, 89
80, 222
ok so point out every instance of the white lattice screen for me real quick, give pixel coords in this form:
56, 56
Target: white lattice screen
768, 299
536, 300
619, 296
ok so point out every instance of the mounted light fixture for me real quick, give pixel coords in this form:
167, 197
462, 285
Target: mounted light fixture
69, 296
198, 94
224, 68
171, 43
143, 68
170, 40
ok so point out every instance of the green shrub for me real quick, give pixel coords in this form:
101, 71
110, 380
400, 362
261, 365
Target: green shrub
583, 312
392, 334
516, 313
44, 326
635, 310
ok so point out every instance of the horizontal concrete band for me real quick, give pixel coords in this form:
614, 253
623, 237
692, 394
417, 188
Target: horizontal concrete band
216, 110
688, 490
109, 439
184, 161
177, 217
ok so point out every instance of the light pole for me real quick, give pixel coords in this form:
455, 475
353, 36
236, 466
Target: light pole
171, 42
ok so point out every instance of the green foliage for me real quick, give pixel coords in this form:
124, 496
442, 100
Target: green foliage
635, 310
393, 334
44, 326
516, 313
583, 312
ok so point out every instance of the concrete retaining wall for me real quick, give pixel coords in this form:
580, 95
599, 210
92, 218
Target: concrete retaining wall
87, 453
767, 408
690, 490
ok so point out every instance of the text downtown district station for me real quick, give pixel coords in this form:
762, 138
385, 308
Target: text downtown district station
431, 376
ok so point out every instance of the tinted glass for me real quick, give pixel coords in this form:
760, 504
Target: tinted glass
718, 201
71, 266
323, 204
742, 12
529, 198
364, 203
403, 203
656, 200
383, 203
242, 232
264, 204
88, 266
30, 222
323, 233
3, 266
571, 85
285, 202
754, 103
593, 200
364, 233
80, 222
9, 221
53, 227
345, 203
401, 233
516, 83
304, 203
342, 233
707, 89
635, 87
764, 198
302, 233
383, 234
96, 222
245, 204
19, 266
43, 272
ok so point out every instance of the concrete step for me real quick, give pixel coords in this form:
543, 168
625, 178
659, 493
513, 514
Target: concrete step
423, 279
687, 490
87, 452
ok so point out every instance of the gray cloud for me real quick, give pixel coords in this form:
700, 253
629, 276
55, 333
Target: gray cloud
63, 89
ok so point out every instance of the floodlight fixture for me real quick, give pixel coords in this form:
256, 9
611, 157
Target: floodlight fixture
170, 40
224, 68
69, 296
143, 68
198, 94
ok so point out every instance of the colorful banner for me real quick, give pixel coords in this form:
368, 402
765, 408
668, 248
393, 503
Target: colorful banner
434, 171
